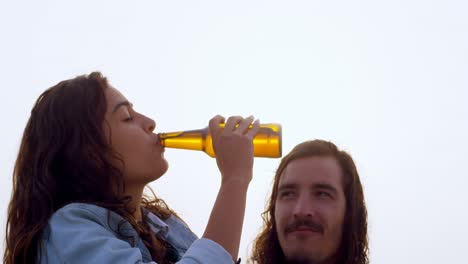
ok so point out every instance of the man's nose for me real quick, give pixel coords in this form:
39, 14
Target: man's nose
303, 207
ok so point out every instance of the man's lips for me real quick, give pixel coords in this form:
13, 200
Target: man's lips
305, 229
304, 225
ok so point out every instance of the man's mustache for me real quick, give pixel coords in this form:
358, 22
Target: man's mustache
300, 223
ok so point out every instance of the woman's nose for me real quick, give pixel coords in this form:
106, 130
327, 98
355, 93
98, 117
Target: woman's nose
150, 125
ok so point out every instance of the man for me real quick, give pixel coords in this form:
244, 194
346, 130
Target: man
316, 213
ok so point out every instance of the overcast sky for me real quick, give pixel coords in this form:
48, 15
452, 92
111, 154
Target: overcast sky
385, 80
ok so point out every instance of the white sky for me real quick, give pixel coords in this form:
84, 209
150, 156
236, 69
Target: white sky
385, 80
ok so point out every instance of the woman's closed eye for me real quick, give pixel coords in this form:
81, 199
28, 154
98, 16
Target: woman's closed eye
129, 114
128, 119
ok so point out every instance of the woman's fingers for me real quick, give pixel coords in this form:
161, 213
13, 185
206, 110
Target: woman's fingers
231, 123
254, 130
234, 124
244, 125
214, 123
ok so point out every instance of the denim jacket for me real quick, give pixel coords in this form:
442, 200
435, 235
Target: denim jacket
86, 233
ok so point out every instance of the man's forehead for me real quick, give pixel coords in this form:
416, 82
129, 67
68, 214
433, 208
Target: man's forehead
312, 170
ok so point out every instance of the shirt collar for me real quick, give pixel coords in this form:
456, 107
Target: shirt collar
156, 224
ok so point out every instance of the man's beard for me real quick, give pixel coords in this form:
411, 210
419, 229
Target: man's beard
300, 260
305, 259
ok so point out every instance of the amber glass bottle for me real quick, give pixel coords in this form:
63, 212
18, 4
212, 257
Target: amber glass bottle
267, 142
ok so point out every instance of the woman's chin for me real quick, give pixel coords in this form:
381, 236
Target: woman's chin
160, 171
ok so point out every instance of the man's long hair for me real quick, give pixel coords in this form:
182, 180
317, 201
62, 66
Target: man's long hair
354, 245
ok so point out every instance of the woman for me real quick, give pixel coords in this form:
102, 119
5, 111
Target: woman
85, 157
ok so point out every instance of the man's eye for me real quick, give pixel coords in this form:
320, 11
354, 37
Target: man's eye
130, 118
323, 195
287, 194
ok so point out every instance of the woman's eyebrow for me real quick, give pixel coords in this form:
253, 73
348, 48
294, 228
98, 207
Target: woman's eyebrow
123, 103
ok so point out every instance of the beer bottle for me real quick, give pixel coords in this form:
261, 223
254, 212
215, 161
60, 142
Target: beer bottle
267, 142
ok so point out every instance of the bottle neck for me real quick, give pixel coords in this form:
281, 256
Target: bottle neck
190, 139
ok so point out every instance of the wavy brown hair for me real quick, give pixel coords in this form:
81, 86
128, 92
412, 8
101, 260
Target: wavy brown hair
354, 244
64, 157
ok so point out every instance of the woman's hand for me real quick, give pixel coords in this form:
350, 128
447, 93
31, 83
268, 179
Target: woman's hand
233, 147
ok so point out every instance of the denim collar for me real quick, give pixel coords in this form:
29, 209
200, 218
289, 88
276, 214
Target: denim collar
156, 224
